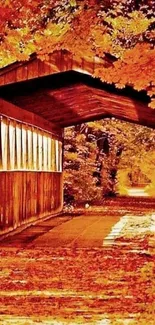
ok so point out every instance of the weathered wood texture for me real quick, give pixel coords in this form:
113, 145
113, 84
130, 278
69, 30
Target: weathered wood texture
10, 110
72, 104
28, 196
58, 62
71, 98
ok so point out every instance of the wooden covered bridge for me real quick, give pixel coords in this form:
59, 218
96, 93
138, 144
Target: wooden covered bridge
37, 100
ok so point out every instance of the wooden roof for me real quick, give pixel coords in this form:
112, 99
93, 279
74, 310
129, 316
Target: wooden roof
59, 61
71, 98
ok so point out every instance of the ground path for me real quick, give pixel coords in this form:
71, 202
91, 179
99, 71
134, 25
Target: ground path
77, 231
58, 272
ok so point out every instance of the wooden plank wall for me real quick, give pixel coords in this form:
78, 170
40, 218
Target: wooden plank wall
28, 196
59, 61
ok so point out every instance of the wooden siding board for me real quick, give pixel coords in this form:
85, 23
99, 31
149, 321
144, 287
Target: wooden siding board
2, 191
67, 60
10, 77
21, 73
77, 64
22, 191
43, 68
23, 216
58, 60
33, 69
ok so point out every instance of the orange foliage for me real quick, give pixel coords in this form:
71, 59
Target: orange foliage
124, 39
136, 68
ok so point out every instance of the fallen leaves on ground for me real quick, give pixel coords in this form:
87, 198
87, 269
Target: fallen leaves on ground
78, 285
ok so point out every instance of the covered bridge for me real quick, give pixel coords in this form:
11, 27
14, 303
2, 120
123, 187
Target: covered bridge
37, 100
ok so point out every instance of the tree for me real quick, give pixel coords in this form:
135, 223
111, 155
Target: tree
79, 166
120, 32
105, 157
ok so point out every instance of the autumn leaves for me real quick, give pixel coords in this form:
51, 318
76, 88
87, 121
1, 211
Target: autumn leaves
123, 37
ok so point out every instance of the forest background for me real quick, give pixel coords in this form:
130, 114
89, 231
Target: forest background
105, 158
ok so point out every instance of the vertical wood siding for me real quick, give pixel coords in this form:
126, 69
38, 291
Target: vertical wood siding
59, 61
27, 193
28, 196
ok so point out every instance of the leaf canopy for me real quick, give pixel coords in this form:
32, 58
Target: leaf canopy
120, 32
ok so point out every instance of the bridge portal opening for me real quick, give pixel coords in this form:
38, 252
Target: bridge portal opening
108, 158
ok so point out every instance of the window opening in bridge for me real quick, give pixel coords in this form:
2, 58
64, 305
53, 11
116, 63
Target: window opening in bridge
11, 156
29, 142
23, 143
60, 157
49, 156
45, 152
18, 147
40, 149
25, 147
4, 145
34, 148
53, 155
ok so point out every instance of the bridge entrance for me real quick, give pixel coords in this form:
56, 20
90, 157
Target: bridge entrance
35, 106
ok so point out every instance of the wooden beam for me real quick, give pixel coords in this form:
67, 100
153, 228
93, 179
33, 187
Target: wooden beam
78, 102
14, 112
72, 98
